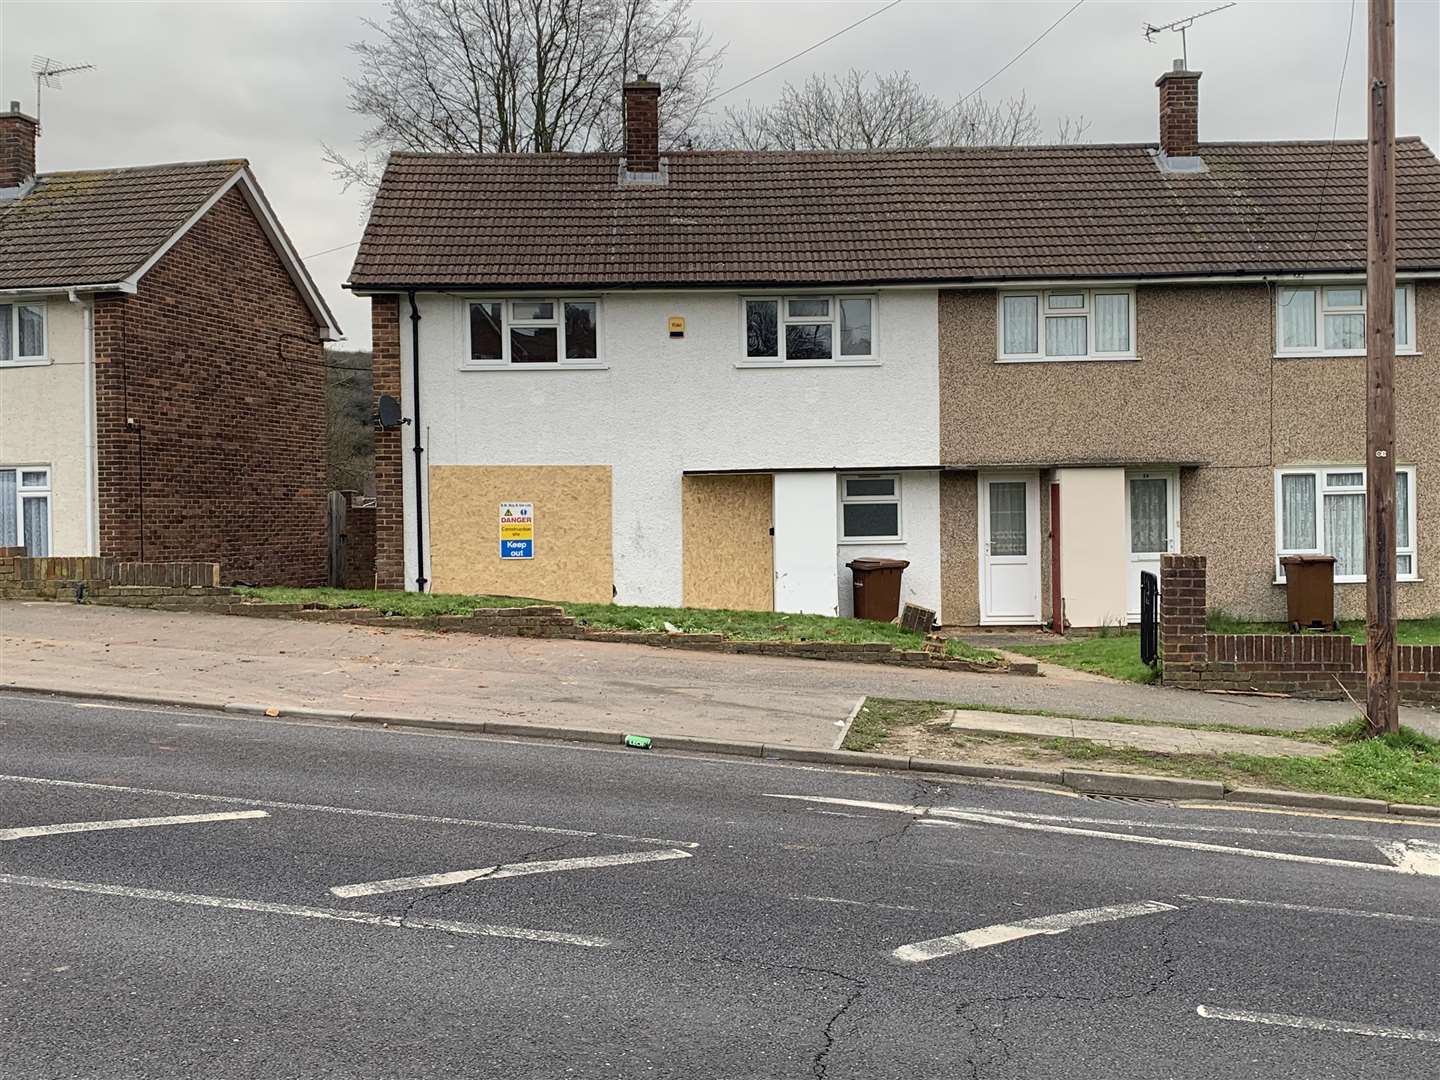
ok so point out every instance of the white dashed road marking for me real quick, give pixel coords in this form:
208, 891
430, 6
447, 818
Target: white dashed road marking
492, 873
1310, 909
985, 936
125, 823
1311, 1023
334, 914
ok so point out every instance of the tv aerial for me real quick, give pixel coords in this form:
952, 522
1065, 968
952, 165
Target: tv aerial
1179, 26
47, 71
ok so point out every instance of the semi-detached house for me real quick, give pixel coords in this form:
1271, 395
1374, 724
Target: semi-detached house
714, 378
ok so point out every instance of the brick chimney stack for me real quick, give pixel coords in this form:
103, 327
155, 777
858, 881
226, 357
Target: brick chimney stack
17, 147
642, 126
1179, 111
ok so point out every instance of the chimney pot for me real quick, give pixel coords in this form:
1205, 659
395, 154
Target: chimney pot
1179, 112
642, 126
17, 147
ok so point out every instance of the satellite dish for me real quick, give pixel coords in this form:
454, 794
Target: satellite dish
388, 413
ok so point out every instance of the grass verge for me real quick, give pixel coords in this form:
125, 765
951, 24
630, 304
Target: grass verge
736, 625
1114, 654
1397, 768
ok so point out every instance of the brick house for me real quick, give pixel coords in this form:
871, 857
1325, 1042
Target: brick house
162, 368
718, 376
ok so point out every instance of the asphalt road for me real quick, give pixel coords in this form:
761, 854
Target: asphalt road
633, 914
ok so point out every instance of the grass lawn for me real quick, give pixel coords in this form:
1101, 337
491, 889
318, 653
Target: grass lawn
1407, 631
738, 625
1116, 654
1397, 768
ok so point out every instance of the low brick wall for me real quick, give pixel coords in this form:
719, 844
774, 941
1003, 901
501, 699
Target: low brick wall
1305, 665
96, 580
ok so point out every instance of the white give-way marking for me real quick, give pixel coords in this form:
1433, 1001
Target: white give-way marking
1311, 1023
508, 870
985, 936
125, 823
335, 914
943, 816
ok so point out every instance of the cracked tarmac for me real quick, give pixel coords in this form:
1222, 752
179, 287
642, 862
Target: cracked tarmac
767, 954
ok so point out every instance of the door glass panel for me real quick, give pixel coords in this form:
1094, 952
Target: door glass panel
1007, 518
1149, 514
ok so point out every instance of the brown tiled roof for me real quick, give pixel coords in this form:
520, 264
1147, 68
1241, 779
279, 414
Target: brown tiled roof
99, 226
741, 218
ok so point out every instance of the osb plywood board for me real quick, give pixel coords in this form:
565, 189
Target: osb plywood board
573, 556
727, 546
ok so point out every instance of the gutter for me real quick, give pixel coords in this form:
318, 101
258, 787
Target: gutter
50, 290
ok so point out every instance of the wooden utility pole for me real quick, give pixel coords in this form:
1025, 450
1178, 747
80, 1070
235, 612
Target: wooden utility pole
1382, 688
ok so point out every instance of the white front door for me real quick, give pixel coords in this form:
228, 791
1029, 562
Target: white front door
1009, 548
1152, 510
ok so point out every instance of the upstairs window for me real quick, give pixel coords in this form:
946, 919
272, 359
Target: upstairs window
869, 508
1329, 320
22, 333
795, 329
550, 331
1322, 511
1067, 324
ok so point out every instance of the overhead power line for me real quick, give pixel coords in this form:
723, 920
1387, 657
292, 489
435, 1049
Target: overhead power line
1015, 59
802, 52
328, 251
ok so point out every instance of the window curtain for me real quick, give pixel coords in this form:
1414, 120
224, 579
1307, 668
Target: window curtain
1112, 322
1007, 518
1065, 335
1297, 318
1402, 509
9, 524
1402, 318
1345, 533
1149, 515
37, 526
1297, 512
1022, 324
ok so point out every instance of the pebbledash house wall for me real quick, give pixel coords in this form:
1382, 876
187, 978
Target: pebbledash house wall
46, 419
216, 359
1207, 388
660, 407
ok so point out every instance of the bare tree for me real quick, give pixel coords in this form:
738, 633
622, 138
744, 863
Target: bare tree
862, 111
476, 76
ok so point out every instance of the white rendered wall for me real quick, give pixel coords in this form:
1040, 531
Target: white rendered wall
46, 414
920, 529
663, 406
805, 530
1094, 547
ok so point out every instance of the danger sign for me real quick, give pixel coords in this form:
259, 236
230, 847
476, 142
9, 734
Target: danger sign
517, 530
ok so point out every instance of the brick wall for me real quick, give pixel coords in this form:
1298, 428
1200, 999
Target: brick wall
98, 580
1306, 665
389, 454
216, 360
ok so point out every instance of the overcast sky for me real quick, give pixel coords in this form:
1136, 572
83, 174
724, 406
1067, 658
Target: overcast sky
265, 81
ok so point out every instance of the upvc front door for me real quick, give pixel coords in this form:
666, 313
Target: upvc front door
1009, 547
1152, 512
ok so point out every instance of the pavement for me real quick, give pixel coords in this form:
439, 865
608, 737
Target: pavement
205, 657
190, 894
1157, 738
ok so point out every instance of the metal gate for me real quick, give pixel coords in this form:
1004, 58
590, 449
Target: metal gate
1149, 617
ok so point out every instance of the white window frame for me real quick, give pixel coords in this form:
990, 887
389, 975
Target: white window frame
1321, 490
847, 499
782, 300
1043, 309
22, 494
507, 321
16, 359
1411, 348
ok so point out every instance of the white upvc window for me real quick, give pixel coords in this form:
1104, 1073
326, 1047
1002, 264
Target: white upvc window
1066, 324
524, 331
809, 329
1321, 510
25, 508
23, 333
870, 508
1328, 319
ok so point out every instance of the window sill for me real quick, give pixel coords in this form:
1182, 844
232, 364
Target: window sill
575, 366
1067, 359
29, 361
1350, 354
892, 541
772, 364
